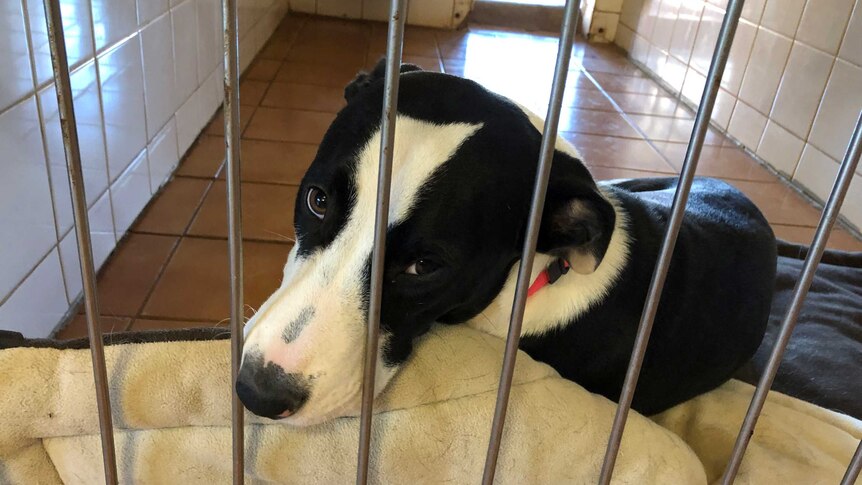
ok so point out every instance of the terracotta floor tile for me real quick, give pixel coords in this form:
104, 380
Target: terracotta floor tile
660, 128
165, 324
172, 210
596, 123
616, 66
627, 84
610, 152
252, 92
332, 75
216, 126
289, 125
584, 98
839, 239
195, 283
275, 49
611, 173
715, 161
204, 158
77, 326
319, 27
650, 104
130, 273
779, 203
267, 212
305, 97
427, 63
275, 161
262, 70
328, 54
416, 42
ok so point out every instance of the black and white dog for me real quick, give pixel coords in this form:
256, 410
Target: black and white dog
463, 171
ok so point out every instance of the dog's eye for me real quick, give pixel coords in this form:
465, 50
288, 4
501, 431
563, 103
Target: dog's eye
316, 202
422, 267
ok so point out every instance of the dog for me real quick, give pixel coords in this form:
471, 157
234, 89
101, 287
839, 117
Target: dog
464, 164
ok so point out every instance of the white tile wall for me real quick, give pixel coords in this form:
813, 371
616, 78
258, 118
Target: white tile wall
146, 78
792, 88
45, 287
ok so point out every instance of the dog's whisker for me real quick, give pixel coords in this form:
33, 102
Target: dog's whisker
282, 236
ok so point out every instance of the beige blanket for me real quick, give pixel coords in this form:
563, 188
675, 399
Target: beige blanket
171, 410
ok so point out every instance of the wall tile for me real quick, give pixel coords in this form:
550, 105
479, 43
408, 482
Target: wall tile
823, 23
113, 20
648, 17
130, 193
35, 308
123, 103
25, 195
609, 5
78, 30
816, 171
724, 104
853, 203
838, 110
782, 16
664, 24
801, 88
707, 34
85, 90
851, 47
685, 30
738, 58
692, 88
163, 155
624, 37
150, 9
631, 12
674, 73
746, 124
209, 41
189, 118
780, 148
158, 68
102, 238
184, 21
752, 10
17, 81
768, 58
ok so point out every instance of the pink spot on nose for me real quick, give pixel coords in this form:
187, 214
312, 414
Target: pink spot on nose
285, 414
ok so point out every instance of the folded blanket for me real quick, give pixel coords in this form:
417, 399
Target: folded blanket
171, 408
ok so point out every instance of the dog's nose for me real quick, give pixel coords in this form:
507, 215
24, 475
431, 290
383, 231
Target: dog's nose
270, 392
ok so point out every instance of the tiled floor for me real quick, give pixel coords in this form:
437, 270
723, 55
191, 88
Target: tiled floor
171, 271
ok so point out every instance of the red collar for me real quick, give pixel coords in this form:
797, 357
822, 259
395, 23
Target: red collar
549, 275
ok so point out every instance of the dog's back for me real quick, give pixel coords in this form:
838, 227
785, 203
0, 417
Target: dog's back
714, 305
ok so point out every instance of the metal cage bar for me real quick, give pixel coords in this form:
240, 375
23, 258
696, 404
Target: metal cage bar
234, 221
800, 291
528, 253
686, 177
394, 48
854, 467
68, 126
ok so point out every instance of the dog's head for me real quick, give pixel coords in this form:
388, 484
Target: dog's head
463, 170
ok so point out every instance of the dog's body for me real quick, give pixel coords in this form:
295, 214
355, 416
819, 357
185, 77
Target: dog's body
464, 162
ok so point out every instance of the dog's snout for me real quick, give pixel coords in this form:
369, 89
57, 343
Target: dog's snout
268, 391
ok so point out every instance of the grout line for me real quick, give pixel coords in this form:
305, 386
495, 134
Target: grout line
174, 249
628, 120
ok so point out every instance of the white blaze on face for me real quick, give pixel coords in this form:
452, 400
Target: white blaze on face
322, 291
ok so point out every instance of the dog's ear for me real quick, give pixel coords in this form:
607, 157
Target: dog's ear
364, 79
577, 223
